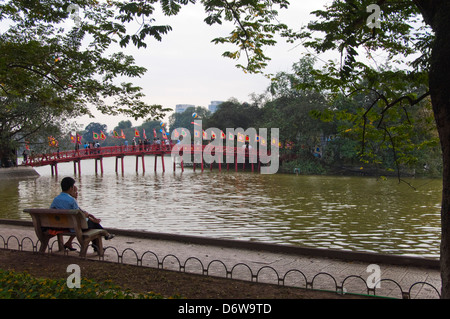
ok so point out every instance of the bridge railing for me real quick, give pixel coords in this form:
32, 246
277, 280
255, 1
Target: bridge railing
140, 149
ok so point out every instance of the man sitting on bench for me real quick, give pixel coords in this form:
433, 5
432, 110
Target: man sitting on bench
67, 199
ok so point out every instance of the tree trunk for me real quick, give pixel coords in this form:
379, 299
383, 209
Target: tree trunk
439, 81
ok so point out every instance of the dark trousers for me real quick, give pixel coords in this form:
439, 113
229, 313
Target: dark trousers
92, 225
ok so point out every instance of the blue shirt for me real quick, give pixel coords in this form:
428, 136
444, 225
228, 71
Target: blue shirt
64, 201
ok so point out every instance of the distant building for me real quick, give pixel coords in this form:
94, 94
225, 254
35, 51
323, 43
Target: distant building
180, 108
214, 105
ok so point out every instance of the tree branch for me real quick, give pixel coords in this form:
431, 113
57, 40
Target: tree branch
236, 17
38, 73
409, 99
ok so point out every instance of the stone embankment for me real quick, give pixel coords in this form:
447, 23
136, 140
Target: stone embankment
18, 172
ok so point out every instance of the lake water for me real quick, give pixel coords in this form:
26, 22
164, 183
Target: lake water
349, 213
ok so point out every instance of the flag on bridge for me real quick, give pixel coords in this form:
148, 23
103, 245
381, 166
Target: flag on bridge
115, 134
75, 138
122, 135
164, 135
102, 136
52, 142
275, 142
136, 132
95, 136
241, 137
263, 142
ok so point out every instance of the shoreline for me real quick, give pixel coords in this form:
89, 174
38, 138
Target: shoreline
18, 172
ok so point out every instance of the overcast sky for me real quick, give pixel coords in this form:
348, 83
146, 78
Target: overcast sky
186, 68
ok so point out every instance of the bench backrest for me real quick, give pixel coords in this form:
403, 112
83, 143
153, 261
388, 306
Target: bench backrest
57, 218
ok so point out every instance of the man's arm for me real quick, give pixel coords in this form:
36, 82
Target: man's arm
91, 217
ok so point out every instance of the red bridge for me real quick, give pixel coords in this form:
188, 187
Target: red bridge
119, 152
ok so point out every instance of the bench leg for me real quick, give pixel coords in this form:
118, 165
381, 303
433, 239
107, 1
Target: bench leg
44, 243
84, 247
98, 244
100, 247
60, 242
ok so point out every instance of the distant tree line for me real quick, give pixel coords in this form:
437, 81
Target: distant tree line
320, 135
317, 135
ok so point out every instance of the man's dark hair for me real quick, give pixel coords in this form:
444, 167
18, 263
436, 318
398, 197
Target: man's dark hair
67, 183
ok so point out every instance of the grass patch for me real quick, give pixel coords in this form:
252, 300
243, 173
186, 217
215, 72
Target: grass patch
22, 285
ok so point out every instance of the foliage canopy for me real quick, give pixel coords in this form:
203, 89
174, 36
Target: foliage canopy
66, 66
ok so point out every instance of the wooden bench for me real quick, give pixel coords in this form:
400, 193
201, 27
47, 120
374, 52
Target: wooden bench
48, 221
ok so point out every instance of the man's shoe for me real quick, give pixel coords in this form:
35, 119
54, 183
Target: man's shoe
69, 248
109, 236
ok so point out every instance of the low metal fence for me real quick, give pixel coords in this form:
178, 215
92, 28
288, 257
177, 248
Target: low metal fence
242, 271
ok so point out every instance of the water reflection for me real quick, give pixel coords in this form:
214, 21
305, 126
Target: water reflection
352, 213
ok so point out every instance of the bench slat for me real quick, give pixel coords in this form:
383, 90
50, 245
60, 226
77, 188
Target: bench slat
51, 211
58, 221
92, 232
58, 218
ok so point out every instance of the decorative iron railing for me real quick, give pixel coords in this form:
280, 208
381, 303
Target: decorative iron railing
242, 271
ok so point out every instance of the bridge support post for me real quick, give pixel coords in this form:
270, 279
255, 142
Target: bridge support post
101, 165
54, 168
121, 158
137, 160
137, 163
75, 162
162, 161
156, 160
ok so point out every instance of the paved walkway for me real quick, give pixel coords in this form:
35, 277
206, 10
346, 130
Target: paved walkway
291, 266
